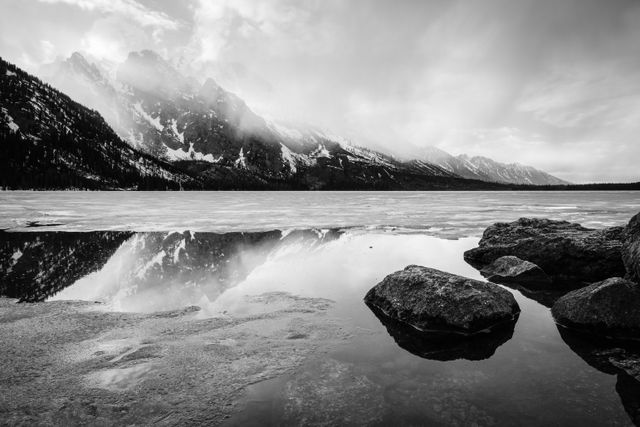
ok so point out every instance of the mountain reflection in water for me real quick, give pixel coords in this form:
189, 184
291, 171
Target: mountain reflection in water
136, 271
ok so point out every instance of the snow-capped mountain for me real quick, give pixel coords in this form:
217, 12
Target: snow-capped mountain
213, 134
51, 141
157, 109
486, 169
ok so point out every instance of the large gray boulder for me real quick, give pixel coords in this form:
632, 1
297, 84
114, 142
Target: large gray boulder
572, 255
513, 270
631, 249
432, 300
609, 308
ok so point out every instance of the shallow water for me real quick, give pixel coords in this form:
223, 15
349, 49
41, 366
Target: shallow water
535, 377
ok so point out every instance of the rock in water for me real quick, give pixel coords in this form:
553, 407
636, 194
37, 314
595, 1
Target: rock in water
608, 308
631, 249
511, 269
432, 300
445, 346
570, 254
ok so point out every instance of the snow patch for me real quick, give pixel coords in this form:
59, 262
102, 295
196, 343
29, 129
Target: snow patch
287, 156
153, 122
191, 154
13, 127
241, 161
321, 151
174, 128
10, 73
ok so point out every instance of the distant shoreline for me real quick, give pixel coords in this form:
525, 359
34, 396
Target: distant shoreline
635, 186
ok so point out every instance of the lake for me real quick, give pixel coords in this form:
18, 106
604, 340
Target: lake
150, 252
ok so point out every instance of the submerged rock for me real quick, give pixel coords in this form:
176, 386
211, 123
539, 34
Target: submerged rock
432, 300
445, 346
570, 254
511, 269
609, 308
631, 249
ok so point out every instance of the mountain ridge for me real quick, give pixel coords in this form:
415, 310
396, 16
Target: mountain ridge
156, 113
53, 142
487, 169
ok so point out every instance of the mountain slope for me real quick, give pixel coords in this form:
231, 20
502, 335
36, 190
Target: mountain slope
50, 141
212, 133
150, 104
486, 169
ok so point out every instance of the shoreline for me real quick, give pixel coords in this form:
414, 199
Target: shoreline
69, 362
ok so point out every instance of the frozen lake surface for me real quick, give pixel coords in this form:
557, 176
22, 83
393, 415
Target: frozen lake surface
433, 213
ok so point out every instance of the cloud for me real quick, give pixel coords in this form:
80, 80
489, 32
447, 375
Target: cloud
223, 24
112, 38
520, 80
584, 97
127, 8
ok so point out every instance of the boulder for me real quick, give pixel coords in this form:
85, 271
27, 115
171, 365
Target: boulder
631, 249
608, 308
570, 254
432, 300
511, 269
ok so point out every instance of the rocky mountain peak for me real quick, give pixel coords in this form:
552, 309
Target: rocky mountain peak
148, 72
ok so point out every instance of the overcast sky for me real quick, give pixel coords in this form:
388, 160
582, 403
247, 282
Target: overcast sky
554, 84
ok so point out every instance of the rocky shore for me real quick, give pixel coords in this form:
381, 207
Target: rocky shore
570, 254
589, 278
601, 266
531, 255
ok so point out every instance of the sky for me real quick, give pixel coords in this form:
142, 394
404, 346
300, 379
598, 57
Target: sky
550, 83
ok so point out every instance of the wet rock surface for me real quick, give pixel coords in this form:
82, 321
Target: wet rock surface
443, 346
433, 300
511, 269
631, 249
572, 255
70, 363
608, 308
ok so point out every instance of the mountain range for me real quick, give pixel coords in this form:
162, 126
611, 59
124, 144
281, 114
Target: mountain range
143, 124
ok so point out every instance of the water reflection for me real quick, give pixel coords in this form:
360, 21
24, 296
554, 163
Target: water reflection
612, 357
35, 266
545, 297
532, 378
136, 271
443, 347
